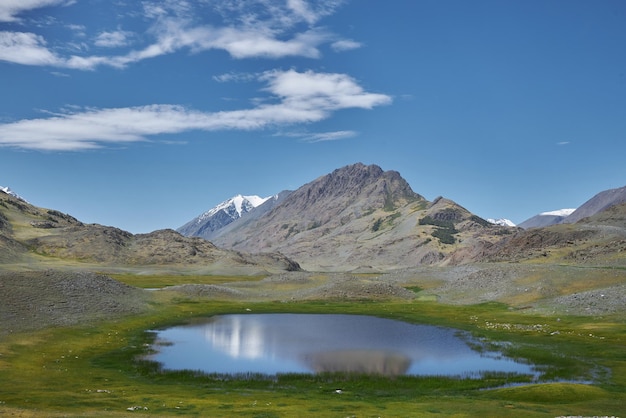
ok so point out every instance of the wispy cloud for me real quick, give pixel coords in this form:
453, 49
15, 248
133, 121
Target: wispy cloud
251, 28
562, 143
10, 9
235, 77
345, 45
27, 49
327, 136
113, 39
295, 97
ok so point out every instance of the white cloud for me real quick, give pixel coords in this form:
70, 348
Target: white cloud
273, 13
345, 45
301, 9
321, 90
59, 74
328, 136
251, 28
9, 9
302, 98
112, 39
27, 49
234, 77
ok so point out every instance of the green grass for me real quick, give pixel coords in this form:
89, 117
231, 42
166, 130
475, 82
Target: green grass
94, 371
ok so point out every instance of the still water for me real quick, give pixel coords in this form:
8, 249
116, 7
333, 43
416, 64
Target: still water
306, 343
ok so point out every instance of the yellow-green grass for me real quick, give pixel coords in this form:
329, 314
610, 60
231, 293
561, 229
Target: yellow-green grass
90, 371
159, 281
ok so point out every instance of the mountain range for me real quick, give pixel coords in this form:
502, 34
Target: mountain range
363, 218
33, 236
356, 218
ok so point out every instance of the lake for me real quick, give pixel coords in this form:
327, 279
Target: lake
313, 343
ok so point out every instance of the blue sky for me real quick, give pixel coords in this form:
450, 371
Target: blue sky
144, 114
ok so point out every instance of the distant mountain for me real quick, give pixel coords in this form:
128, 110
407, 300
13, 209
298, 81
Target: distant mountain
359, 217
501, 222
221, 215
597, 204
546, 219
249, 217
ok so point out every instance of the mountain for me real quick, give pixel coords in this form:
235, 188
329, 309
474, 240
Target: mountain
546, 219
598, 203
38, 236
359, 217
501, 222
220, 216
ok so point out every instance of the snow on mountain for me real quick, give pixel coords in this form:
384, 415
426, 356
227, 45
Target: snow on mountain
501, 222
221, 215
234, 207
546, 218
560, 212
10, 192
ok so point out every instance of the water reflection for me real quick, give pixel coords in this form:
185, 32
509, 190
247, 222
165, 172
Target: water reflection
298, 343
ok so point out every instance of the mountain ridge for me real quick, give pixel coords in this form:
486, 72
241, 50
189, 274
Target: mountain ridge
32, 235
598, 203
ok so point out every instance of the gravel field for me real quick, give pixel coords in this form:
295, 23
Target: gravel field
35, 300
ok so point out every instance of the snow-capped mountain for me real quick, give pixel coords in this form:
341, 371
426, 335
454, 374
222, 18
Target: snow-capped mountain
221, 215
234, 207
501, 222
546, 218
10, 192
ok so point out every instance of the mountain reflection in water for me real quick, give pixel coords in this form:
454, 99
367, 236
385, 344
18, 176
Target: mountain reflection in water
385, 363
307, 343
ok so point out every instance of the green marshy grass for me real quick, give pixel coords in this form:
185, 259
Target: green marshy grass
97, 370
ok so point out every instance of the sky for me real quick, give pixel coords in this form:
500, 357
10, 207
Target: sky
144, 114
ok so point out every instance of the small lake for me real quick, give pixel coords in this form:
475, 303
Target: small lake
309, 343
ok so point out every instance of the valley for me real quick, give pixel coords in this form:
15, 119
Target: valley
77, 300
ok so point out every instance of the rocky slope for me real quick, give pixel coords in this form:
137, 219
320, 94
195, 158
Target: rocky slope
596, 240
597, 204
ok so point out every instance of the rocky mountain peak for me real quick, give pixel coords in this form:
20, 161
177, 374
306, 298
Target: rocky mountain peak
368, 185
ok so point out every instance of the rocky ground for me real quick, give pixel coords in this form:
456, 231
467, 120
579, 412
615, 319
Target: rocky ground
39, 299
